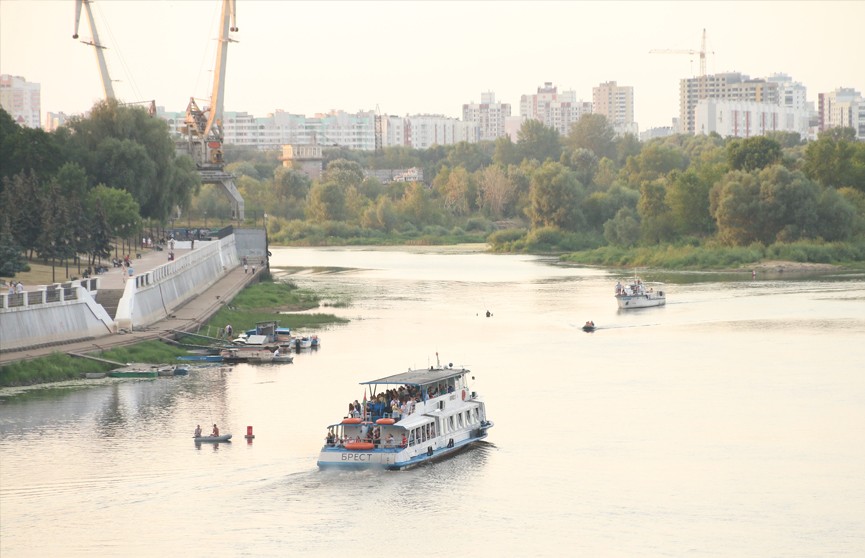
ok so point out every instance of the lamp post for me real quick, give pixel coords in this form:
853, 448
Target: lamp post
77, 256
66, 255
205, 218
53, 254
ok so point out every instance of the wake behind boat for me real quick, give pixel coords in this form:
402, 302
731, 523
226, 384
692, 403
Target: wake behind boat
422, 416
637, 295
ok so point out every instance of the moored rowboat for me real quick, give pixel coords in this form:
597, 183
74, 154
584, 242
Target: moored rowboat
221, 438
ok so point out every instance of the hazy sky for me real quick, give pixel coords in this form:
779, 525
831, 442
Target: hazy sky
423, 57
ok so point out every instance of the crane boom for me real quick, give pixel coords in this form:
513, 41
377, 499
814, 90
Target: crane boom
701, 52
107, 87
229, 23
204, 133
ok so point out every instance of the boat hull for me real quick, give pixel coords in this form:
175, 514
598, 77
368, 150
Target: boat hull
398, 458
641, 301
212, 439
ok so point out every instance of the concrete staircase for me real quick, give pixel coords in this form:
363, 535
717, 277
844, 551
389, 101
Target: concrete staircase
109, 299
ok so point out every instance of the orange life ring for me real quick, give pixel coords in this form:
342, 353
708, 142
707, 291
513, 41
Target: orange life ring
351, 421
385, 421
464, 395
359, 445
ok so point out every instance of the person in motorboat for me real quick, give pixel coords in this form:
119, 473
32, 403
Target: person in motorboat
215, 432
197, 431
331, 437
389, 440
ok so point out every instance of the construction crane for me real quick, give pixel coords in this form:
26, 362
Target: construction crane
97, 46
203, 129
702, 52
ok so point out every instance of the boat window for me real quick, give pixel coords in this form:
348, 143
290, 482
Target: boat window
451, 422
460, 420
477, 414
423, 435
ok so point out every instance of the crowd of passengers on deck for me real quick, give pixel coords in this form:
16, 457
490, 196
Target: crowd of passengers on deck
371, 433
397, 403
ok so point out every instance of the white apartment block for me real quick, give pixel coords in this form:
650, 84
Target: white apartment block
424, 131
844, 108
745, 119
616, 103
488, 115
21, 99
555, 110
730, 86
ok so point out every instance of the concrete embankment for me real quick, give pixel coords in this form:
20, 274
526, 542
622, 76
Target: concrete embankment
160, 299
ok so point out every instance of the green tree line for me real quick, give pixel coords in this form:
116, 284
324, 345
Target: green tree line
99, 177
587, 190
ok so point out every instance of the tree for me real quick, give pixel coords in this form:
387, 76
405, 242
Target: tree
327, 202
600, 207
753, 153
655, 215
556, 196
122, 213
538, 142
836, 159
23, 202
506, 152
11, 254
291, 188
836, 217
735, 204
593, 132
655, 161
623, 229
584, 164
495, 191
459, 192
470, 156
688, 200
27, 150
124, 147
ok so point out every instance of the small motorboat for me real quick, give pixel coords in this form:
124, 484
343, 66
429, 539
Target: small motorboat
589, 326
220, 438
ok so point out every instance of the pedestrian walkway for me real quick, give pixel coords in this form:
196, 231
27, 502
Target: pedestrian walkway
188, 317
150, 259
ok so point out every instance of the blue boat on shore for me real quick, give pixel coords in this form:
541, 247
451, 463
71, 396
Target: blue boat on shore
200, 358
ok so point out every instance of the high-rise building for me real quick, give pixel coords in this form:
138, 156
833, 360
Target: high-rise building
488, 115
745, 119
616, 103
731, 86
21, 99
555, 110
844, 108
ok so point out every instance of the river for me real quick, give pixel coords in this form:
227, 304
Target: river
730, 422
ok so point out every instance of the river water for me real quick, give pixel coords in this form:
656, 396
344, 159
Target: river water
730, 422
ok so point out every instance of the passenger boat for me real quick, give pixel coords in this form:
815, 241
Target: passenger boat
211, 439
637, 295
260, 355
446, 417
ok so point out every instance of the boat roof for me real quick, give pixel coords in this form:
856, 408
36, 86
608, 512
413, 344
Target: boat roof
420, 377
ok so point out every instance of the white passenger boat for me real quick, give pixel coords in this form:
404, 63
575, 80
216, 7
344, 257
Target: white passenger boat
638, 295
442, 417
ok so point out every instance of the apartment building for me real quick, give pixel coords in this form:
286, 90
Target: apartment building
732, 86
21, 99
745, 119
843, 107
616, 103
489, 115
554, 109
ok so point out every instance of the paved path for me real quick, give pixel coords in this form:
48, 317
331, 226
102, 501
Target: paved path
188, 317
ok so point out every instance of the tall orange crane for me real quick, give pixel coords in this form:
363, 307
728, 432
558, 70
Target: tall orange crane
702, 52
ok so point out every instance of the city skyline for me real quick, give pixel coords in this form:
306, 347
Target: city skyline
422, 57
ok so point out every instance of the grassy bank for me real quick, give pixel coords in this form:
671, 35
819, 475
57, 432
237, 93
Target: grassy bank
60, 366
850, 255
280, 301
257, 303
